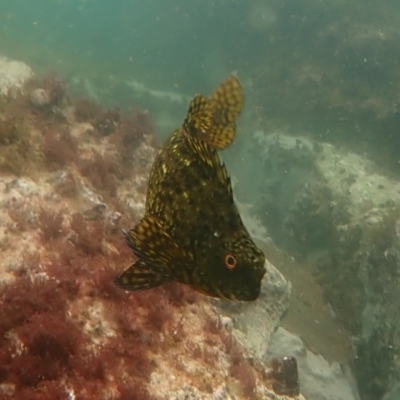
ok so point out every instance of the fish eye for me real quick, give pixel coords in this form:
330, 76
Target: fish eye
230, 261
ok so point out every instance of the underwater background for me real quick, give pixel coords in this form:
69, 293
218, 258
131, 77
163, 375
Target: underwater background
316, 163
303, 64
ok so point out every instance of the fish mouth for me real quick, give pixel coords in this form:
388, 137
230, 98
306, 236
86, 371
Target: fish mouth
244, 294
249, 292
248, 296
237, 295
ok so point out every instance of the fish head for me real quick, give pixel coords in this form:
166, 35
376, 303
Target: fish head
231, 268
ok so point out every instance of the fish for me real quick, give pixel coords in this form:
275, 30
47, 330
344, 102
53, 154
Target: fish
192, 231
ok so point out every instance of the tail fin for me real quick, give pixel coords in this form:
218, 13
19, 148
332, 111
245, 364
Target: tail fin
213, 119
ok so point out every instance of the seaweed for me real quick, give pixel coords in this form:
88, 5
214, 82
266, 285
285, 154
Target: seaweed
179, 295
55, 88
49, 342
134, 392
89, 234
21, 218
55, 349
26, 297
10, 131
86, 110
65, 185
129, 132
211, 324
101, 170
15, 144
50, 224
45, 352
106, 288
158, 313
35, 312
59, 148
244, 373
240, 368
48, 390
104, 121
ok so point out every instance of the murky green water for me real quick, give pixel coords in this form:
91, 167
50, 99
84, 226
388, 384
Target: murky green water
326, 70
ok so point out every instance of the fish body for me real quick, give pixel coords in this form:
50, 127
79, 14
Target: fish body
192, 231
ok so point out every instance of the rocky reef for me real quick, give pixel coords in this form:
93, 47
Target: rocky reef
333, 73
73, 174
339, 213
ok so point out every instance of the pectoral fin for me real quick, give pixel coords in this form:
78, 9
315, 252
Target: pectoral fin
140, 276
157, 248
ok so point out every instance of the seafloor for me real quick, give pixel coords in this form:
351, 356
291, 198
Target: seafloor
72, 176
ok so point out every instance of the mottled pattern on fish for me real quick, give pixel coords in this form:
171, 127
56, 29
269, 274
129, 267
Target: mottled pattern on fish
192, 231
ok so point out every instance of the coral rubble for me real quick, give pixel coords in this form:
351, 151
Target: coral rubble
73, 175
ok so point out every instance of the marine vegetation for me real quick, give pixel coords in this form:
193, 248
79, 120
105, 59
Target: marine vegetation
192, 231
66, 331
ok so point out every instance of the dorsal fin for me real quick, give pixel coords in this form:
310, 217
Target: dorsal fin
210, 156
199, 114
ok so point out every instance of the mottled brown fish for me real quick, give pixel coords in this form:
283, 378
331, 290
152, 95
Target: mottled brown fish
192, 231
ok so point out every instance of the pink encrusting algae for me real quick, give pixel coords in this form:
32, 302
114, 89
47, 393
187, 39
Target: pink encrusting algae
72, 176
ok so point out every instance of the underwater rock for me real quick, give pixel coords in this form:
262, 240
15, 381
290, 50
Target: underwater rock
162, 104
66, 330
13, 74
394, 393
285, 375
40, 97
337, 212
255, 322
319, 380
166, 106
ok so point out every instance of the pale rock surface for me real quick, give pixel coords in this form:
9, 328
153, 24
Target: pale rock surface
319, 380
340, 211
255, 322
13, 74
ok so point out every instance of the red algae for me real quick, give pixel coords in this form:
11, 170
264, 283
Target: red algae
56, 349
49, 343
86, 110
104, 121
102, 171
128, 133
50, 224
89, 234
50, 347
59, 148
55, 86
66, 330
9, 132
15, 144
49, 390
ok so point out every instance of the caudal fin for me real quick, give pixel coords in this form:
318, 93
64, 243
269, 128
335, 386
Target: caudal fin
213, 119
